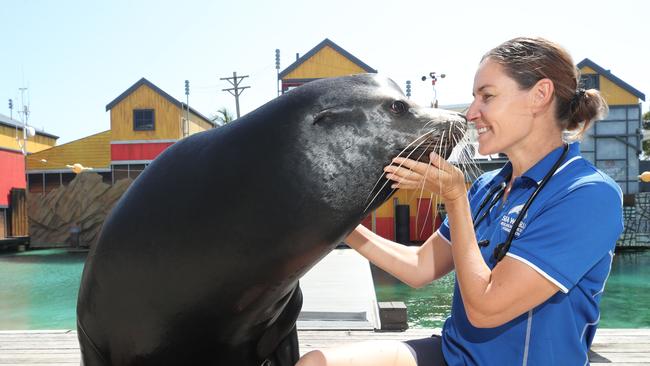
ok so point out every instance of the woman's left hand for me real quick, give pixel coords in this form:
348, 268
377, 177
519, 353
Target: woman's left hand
438, 176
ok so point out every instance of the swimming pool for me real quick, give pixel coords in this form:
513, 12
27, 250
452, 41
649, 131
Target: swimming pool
38, 290
623, 305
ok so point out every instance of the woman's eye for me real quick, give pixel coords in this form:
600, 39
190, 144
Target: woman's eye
487, 96
398, 107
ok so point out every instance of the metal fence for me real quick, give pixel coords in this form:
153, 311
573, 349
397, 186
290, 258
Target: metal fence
636, 233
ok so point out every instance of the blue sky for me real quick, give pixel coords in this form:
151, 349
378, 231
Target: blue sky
77, 56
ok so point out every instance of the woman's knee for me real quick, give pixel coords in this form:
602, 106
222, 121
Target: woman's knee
312, 358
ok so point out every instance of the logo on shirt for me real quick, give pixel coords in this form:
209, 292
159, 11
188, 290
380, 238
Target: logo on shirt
508, 220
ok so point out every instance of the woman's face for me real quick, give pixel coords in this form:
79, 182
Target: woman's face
500, 111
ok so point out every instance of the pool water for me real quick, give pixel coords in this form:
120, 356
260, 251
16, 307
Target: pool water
625, 303
38, 290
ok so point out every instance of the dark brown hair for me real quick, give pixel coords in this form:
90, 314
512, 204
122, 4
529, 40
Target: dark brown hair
528, 60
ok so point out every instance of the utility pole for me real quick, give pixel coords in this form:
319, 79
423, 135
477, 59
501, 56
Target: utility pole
186, 126
236, 90
277, 69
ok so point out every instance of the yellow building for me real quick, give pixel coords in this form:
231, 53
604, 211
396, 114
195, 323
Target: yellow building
325, 60
11, 137
145, 120
15, 144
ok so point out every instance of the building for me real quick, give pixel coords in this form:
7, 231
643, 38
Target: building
145, 120
326, 60
13, 149
614, 143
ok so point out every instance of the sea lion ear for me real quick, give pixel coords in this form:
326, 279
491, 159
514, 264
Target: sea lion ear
326, 114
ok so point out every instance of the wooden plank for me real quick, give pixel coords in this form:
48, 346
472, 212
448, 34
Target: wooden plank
60, 347
338, 293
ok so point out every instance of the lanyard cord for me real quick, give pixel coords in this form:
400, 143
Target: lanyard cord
502, 249
490, 197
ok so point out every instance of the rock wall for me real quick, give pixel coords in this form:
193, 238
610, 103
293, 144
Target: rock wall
85, 201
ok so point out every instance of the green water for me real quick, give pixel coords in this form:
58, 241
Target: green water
38, 290
625, 303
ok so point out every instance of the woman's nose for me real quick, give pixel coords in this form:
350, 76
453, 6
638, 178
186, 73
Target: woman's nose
472, 113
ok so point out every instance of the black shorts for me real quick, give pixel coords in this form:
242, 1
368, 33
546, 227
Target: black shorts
427, 351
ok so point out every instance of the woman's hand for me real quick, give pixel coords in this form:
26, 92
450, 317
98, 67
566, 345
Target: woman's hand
438, 177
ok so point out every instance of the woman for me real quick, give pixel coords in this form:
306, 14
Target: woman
531, 299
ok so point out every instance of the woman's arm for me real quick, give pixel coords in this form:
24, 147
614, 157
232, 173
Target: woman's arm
415, 266
491, 298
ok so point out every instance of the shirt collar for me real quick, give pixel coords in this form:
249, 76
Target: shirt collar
537, 172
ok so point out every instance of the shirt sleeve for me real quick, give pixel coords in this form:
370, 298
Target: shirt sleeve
565, 240
443, 230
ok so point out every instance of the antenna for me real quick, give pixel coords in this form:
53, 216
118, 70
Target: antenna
24, 117
434, 79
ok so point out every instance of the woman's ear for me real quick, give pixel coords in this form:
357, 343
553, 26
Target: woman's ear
542, 94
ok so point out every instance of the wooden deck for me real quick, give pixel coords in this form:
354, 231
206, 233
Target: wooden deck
615, 347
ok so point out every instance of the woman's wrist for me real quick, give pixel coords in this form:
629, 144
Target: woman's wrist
457, 202
356, 239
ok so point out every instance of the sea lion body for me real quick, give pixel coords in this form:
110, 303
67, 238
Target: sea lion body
199, 261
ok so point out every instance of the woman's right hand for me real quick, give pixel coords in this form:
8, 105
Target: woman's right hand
439, 176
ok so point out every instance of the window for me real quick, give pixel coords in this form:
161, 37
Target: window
143, 119
35, 182
589, 81
135, 170
120, 172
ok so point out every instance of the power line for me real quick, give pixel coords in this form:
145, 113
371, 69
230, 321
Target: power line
236, 90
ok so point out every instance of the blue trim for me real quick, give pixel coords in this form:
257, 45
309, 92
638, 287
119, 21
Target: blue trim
606, 73
320, 46
171, 99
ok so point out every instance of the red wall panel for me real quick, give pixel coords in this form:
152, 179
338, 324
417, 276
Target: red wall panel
424, 228
385, 227
12, 174
139, 151
367, 221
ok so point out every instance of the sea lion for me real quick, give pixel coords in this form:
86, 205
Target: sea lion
199, 261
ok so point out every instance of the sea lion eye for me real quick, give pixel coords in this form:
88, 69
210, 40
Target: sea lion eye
398, 107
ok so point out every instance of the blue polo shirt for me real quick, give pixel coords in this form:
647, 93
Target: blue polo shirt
568, 236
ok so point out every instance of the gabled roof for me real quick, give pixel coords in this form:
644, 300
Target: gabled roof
6, 121
606, 73
320, 46
148, 83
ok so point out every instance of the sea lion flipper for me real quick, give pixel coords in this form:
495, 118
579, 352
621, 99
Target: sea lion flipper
279, 343
90, 355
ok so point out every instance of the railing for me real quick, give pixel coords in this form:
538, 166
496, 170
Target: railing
636, 219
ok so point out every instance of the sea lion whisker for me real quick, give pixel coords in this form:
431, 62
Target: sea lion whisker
387, 180
400, 153
426, 174
427, 216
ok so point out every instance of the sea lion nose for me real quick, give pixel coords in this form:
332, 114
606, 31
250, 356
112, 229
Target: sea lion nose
462, 120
